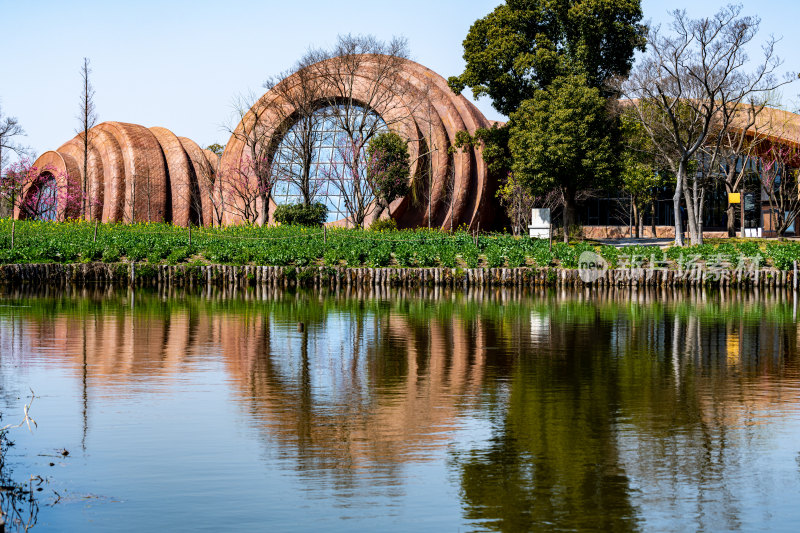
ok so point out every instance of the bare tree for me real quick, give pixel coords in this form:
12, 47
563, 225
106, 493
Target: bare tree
733, 146
676, 91
296, 107
88, 119
211, 188
518, 203
208, 199
348, 174
9, 129
254, 128
779, 179
366, 93
209, 194
244, 196
428, 179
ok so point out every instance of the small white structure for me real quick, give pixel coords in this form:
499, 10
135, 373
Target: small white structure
540, 224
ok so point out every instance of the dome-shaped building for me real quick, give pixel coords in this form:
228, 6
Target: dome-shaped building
295, 138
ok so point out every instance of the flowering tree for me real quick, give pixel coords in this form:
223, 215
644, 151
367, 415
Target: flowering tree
41, 193
246, 189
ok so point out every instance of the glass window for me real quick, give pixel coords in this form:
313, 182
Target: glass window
327, 142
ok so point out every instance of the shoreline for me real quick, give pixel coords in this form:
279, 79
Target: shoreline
144, 274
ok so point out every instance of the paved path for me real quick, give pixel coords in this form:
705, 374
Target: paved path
621, 243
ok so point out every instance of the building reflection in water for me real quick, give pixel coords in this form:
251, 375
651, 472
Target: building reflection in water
595, 400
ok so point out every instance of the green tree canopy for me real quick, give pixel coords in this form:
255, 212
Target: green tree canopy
563, 138
388, 166
523, 45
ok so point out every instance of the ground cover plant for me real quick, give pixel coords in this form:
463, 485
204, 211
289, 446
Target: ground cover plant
73, 242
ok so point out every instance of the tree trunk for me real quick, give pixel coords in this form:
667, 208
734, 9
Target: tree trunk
731, 212
264, 210
653, 217
676, 203
569, 211
731, 221
692, 211
698, 196
691, 220
640, 228
636, 220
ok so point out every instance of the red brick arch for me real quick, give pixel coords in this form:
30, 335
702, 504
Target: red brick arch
135, 173
436, 122
138, 173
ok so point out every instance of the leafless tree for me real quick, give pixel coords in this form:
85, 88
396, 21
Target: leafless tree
209, 189
348, 174
450, 193
200, 191
779, 179
428, 178
9, 129
296, 107
254, 127
210, 193
677, 87
733, 144
88, 119
244, 196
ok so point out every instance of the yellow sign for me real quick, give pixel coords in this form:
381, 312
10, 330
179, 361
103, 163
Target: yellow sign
734, 198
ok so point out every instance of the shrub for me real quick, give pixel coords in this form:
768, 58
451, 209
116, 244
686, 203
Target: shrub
301, 215
111, 255
177, 255
383, 224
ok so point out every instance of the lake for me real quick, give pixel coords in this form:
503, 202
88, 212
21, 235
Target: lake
392, 410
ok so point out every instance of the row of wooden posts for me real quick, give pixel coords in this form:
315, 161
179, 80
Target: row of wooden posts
144, 274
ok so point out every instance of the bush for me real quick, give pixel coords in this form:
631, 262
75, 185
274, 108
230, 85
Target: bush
301, 215
383, 224
111, 254
177, 255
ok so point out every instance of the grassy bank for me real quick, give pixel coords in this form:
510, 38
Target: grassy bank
76, 242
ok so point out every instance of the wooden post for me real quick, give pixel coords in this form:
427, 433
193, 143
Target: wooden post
95, 231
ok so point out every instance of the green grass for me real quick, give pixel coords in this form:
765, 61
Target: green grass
71, 242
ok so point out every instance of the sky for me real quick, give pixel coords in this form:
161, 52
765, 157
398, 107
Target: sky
180, 64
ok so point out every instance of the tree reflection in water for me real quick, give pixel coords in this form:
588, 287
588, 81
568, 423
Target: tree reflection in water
607, 410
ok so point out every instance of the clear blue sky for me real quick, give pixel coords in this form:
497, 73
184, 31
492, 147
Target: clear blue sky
179, 64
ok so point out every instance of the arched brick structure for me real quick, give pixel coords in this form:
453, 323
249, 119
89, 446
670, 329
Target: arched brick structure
431, 117
137, 174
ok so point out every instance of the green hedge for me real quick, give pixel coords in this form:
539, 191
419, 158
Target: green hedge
301, 215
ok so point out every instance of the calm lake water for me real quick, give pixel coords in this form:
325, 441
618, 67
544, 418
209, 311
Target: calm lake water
490, 410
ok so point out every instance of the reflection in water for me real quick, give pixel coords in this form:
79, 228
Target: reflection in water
574, 410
